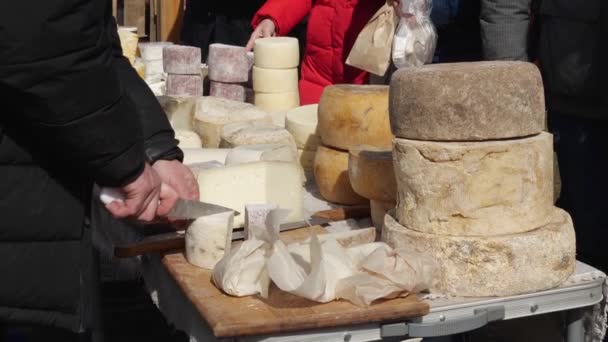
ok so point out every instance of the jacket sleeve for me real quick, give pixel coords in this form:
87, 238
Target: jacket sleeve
285, 14
55, 58
504, 29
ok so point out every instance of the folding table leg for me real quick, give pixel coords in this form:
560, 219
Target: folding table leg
575, 329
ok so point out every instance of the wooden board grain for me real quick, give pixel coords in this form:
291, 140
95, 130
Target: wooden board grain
281, 312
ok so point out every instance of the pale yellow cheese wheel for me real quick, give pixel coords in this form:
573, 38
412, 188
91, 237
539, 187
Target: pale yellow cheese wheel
275, 80
276, 53
276, 102
331, 175
371, 173
302, 123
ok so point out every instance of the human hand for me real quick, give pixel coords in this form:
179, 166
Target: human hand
179, 177
266, 28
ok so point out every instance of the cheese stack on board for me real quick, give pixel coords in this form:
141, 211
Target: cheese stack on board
275, 73
229, 68
348, 116
183, 67
474, 174
302, 122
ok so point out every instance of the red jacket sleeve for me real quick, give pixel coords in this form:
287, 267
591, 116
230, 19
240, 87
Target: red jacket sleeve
286, 14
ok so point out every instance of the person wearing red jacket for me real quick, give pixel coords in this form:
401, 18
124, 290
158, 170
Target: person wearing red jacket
333, 27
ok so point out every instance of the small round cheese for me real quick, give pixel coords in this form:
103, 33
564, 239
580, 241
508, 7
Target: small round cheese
301, 122
275, 80
276, 53
331, 175
207, 238
371, 173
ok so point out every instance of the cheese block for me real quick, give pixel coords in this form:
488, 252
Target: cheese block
371, 173
266, 182
275, 80
254, 133
184, 85
467, 101
140, 68
231, 91
331, 174
301, 122
306, 159
182, 60
152, 51
158, 88
154, 70
276, 102
262, 152
211, 114
255, 218
474, 188
351, 115
276, 53
202, 155
278, 119
207, 238
502, 265
179, 110
378, 210
128, 43
228, 63
187, 139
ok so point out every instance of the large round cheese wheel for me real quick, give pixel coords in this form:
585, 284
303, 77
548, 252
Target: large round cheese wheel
302, 123
276, 53
331, 175
275, 80
501, 265
248, 133
378, 209
371, 173
351, 115
474, 188
467, 101
306, 159
276, 102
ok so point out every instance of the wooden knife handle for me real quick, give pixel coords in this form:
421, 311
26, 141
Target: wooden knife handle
338, 214
151, 244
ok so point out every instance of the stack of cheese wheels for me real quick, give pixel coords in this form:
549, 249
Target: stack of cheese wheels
474, 178
183, 67
348, 116
301, 122
275, 73
152, 57
229, 68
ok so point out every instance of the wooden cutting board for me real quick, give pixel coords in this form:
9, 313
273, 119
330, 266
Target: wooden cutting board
281, 312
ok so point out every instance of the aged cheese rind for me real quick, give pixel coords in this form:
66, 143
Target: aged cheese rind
228, 63
378, 209
474, 188
276, 53
302, 123
184, 85
182, 60
230, 91
187, 139
179, 110
351, 115
502, 265
331, 174
213, 113
306, 159
247, 133
371, 173
467, 101
207, 238
276, 102
275, 80
261, 152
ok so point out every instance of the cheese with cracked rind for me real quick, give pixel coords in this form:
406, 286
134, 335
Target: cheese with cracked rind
331, 174
248, 133
261, 152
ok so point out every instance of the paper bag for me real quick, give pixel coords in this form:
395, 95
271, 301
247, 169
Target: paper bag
372, 49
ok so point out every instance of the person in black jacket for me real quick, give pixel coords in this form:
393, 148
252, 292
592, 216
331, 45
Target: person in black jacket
74, 113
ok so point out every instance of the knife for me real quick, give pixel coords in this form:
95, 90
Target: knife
183, 209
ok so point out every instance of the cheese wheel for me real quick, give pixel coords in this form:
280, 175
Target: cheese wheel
187, 139
248, 133
351, 115
230, 91
502, 265
182, 60
275, 80
331, 175
301, 122
211, 114
184, 85
276, 102
203, 155
179, 110
371, 173
266, 182
474, 188
154, 70
152, 51
207, 238
276, 53
228, 63
467, 101
306, 159
378, 209
262, 152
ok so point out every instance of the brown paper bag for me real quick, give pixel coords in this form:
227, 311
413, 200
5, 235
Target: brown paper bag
372, 49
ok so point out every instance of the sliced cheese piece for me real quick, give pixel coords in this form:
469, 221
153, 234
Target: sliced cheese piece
248, 133
213, 113
228, 63
378, 210
371, 173
502, 265
179, 110
276, 102
184, 85
275, 80
259, 183
306, 159
255, 218
231, 91
467, 101
187, 139
474, 188
152, 51
262, 152
182, 60
208, 238
331, 175
201, 155
302, 122
351, 115
276, 53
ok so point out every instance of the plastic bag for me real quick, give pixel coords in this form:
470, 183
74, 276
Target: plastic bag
415, 40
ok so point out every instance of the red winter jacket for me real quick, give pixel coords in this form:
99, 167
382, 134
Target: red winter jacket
333, 27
